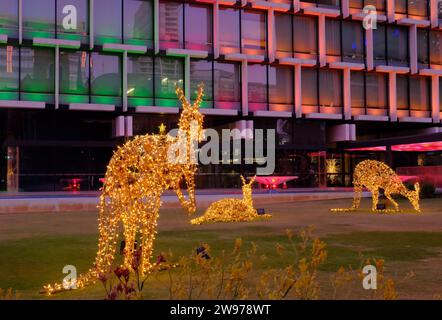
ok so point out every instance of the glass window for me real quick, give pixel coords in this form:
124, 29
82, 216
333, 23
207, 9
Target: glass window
357, 4
281, 85
378, 4
198, 31
353, 41
171, 24
436, 47
106, 78
357, 89
376, 86
138, 22
227, 85
283, 31
418, 7
229, 29
402, 92
169, 72
9, 75
253, 31
333, 37
330, 88
257, 87
107, 23
379, 48
400, 6
37, 75
73, 20
397, 40
420, 93
325, 3
201, 72
9, 18
38, 18
309, 85
422, 46
139, 80
74, 75
305, 34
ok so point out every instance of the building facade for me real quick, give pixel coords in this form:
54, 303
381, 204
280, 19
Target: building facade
78, 77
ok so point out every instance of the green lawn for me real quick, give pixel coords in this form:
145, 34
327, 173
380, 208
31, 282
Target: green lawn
31, 255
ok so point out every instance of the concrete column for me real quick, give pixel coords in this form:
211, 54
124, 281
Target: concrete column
345, 8
434, 12
271, 35
369, 49
20, 21
296, 5
57, 77
216, 30
244, 88
321, 40
156, 26
435, 105
187, 76
298, 91
125, 80
413, 48
392, 96
347, 94
91, 24
390, 11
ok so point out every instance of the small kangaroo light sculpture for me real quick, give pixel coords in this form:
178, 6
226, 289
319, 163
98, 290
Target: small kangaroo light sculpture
375, 175
231, 209
136, 177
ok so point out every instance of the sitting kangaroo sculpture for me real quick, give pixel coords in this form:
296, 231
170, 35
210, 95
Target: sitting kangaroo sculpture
231, 209
137, 175
375, 175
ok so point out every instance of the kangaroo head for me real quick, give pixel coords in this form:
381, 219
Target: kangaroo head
247, 188
413, 197
191, 118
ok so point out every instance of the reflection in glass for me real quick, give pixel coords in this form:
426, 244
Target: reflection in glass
376, 86
330, 88
107, 23
198, 27
229, 29
169, 72
422, 46
257, 89
309, 83
333, 37
357, 89
397, 39
253, 31
106, 75
435, 47
420, 93
201, 72
138, 22
283, 32
9, 18
305, 34
139, 78
9, 74
38, 19
37, 70
280, 85
379, 49
402, 92
74, 72
171, 24
353, 41
227, 85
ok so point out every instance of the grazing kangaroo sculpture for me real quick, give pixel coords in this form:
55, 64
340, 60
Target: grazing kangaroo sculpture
231, 209
137, 175
375, 175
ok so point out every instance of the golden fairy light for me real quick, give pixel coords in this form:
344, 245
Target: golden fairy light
333, 168
137, 175
232, 210
375, 175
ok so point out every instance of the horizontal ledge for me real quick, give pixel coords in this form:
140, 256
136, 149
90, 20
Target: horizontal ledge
119, 47
273, 114
360, 16
271, 5
346, 65
56, 42
332, 116
151, 109
297, 61
430, 72
366, 117
186, 52
416, 119
222, 2
243, 56
322, 11
91, 107
392, 69
219, 112
22, 104
410, 22
3, 38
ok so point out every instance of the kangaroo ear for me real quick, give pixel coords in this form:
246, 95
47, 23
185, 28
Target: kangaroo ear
417, 187
199, 97
180, 93
252, 180
243, 180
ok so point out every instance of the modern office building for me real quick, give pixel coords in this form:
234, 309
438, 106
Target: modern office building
78, 77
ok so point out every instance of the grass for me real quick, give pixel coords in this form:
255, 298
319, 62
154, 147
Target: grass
29, 261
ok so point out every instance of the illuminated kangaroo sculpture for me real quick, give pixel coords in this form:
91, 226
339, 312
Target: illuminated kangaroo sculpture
231, 209
137, 175
375, 175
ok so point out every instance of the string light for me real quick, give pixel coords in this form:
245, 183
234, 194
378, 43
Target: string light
232, 210
137, 175
375, 175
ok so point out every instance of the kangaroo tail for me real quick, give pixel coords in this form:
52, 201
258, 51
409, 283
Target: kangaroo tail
356, 198
108, 236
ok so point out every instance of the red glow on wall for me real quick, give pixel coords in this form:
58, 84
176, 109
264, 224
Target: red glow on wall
380, 148
419, 147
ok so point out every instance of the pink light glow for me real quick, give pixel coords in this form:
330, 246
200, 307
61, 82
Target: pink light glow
380, 148
419, 147
275, 180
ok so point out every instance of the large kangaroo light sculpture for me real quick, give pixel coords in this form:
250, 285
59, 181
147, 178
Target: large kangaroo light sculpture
375, 175
137, 175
